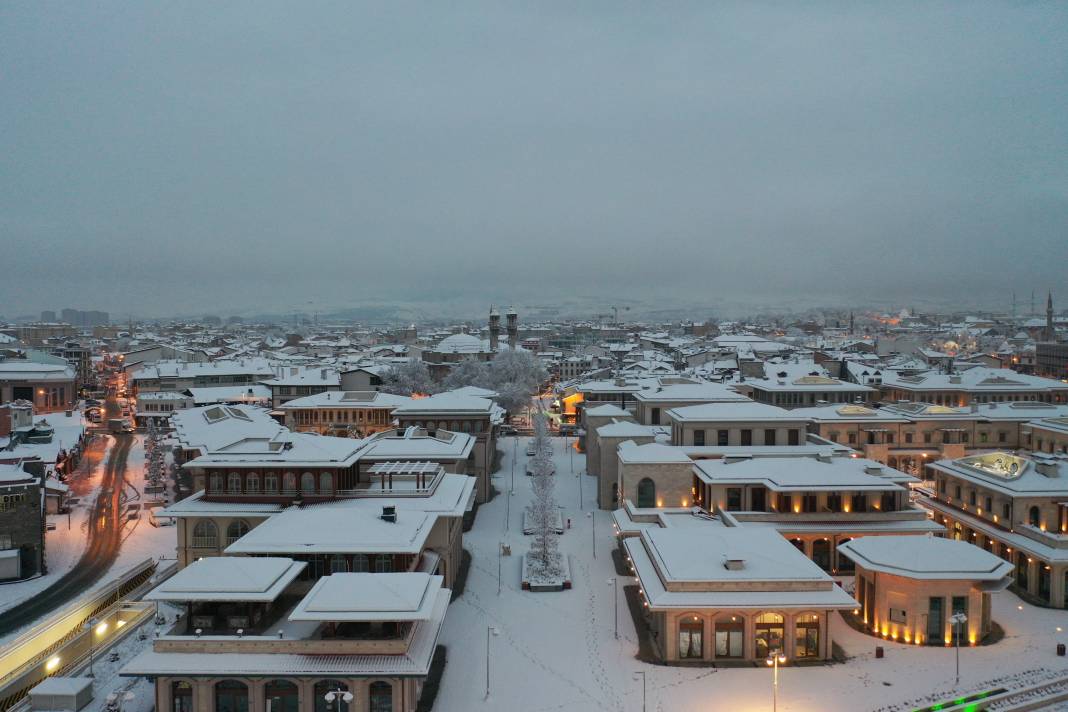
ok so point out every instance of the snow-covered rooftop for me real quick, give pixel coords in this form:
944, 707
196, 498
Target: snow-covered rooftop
924, 557
229, 578
405, 596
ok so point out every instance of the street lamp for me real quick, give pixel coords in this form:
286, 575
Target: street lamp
92, 640
338, 695
593, 531
774, 660
642, 673
957, 619
614, 583
490, 630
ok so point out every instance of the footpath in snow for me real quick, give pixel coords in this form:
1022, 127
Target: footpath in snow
558, 651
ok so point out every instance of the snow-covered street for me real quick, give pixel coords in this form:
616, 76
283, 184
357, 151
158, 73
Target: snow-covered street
558, 651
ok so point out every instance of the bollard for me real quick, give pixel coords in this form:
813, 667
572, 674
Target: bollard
878, 652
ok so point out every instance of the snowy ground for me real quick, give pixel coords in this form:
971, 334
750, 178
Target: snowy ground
557, 651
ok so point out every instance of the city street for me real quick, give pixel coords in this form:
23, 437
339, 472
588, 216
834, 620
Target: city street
105, 538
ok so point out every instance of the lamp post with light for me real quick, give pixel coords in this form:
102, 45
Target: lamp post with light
958, 619
490, 630
614, 583
339, 696
774, 660
94, 630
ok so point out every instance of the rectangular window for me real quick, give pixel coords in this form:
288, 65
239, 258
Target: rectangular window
654, 416
723, 437
809, 503
747, 438
852, 438
834, 502
699, 438
734, 499
908, 438
793, 437
860, 503
927, 438
1006, 513
769, 436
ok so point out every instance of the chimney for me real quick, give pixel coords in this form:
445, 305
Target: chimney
1047, 468
389, 513
734, 564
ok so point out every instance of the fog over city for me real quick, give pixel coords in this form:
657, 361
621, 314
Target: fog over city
255, 157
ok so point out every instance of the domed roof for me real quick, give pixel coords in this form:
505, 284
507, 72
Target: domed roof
462, 343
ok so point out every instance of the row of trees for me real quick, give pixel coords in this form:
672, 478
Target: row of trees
545, 560
514, 375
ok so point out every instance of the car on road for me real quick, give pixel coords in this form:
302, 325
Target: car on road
530, 449
506, 430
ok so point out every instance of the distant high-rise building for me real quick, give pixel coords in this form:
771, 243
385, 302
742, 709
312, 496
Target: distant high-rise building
48, 316
77, 317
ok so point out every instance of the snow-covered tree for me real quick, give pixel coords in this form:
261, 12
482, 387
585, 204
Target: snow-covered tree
545, 560
515, 376
469, 372
406, 379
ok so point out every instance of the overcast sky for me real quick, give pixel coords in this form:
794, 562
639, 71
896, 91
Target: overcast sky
162, 158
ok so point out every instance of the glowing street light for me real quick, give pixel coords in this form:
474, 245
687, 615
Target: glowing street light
774, 660
338, 695
958, 619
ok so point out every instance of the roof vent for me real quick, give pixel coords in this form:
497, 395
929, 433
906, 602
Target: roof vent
389, 513
1048, 468
873, 469
734, 564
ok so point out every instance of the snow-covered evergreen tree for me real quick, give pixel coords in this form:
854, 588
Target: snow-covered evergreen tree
545, 560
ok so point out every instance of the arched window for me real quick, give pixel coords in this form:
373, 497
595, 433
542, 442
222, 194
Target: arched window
205, 535
730, 636
383, 564
1034, 517
233, 483
326, 483
322, 688
691, 638
768, 634
270, 483
359, 563
281, 696
807, 636
237, 529
381, 697
289, 483
231, 696
307, 483
252, 483
181, 696
646, 493
338, 564
215, 482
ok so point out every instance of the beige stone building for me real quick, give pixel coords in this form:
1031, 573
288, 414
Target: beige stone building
254, 635
718, 594
1013, 506
910, 587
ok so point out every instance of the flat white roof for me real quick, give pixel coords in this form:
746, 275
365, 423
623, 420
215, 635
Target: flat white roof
923, 557
804, 473
407, 596
229, 578
729, 412
324, 529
